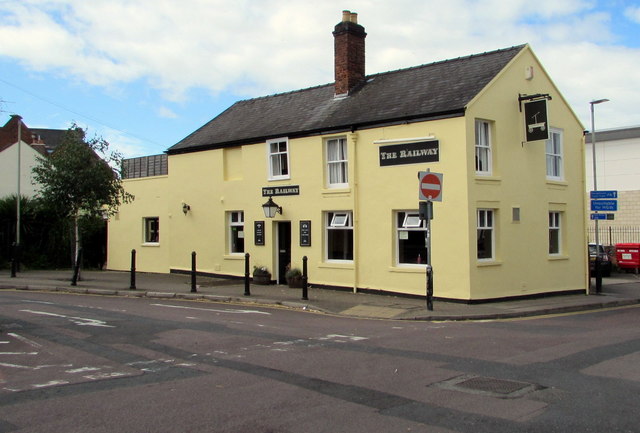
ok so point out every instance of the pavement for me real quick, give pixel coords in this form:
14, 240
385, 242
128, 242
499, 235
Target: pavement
620, 290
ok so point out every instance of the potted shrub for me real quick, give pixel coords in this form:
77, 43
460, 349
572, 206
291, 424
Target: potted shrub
294, 277
261, 275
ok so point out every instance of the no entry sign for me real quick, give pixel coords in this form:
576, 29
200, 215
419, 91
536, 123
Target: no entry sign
430, 187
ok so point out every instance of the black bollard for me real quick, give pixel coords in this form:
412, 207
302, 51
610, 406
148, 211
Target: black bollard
132, 286
76, 268
14, 260
429, 288
193, 272
305, 296
247, 290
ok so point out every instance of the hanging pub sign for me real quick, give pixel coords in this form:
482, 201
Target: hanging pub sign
409, 153
536, 121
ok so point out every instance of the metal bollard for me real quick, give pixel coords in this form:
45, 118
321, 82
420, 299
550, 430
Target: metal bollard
247, 290
305, 296
132, 286
76, 268
193, 272
14, 260
429, 288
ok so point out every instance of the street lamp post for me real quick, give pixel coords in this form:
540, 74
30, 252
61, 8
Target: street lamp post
597, 271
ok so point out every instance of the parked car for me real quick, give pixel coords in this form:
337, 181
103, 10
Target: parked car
605, 260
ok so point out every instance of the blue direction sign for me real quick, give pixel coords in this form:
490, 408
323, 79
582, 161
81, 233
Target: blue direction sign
604, 205
603, 194
598, 216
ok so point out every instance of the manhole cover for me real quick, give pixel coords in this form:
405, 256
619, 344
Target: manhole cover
489, 386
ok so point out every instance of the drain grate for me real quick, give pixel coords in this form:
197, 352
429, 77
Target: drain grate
489, 386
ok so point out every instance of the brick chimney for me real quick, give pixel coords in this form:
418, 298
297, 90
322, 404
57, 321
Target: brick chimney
348, 53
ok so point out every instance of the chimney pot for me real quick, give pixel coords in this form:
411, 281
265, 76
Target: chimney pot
346, 16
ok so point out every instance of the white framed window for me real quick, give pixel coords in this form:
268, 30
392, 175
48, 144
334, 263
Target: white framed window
554, 233
151, 230
411, 247
236, 232
339, 236
278, 151
553, 150
337, 163
483, 147
486, 234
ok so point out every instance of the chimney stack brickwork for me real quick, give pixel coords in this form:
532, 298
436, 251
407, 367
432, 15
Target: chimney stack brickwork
349, 53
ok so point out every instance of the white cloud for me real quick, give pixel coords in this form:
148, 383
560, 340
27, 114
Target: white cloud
167, 113
633, 13
258, 47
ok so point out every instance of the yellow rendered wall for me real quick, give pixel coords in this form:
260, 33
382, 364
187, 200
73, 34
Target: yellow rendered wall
126, 228
523, 264
215, 182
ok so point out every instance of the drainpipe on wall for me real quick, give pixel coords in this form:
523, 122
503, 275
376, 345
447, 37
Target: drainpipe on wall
353, 138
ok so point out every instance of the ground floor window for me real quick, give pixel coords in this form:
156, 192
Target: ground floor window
486, 235
554, 232
410, 239
236, 232
339, 236
152, 230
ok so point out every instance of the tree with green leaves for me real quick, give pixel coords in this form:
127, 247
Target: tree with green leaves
81, 177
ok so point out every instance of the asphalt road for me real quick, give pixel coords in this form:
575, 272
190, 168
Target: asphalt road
72, 363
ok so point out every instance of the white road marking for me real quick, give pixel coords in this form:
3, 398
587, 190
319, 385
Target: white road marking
51, 383
338, 337
24, 340
213, 310
18, 353
80, 321
82, 370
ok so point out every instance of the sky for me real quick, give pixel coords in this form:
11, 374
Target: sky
143, 74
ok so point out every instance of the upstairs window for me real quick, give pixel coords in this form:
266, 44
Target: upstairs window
554, 155
483, 147
278, 158
337, 164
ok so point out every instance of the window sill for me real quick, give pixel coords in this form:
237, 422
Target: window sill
558, 257
278, 178
336, 192
151, 244
488, 262
408, 269
487, 180
347, 265
557, 183
234, 256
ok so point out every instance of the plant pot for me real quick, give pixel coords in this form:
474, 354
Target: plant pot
262, 279
295, 282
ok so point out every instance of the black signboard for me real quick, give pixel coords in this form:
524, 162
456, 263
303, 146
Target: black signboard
280, 190
305, 233
258, 227
410, 153
535, 120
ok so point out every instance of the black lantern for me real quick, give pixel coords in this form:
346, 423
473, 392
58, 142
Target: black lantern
270, 208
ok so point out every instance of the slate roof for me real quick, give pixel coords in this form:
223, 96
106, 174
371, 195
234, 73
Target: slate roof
441, 89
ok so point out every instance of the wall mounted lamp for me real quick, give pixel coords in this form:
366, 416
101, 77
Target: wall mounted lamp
185, 208
270, 208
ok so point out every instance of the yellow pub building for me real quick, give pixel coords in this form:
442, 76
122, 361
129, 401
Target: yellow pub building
340, 164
